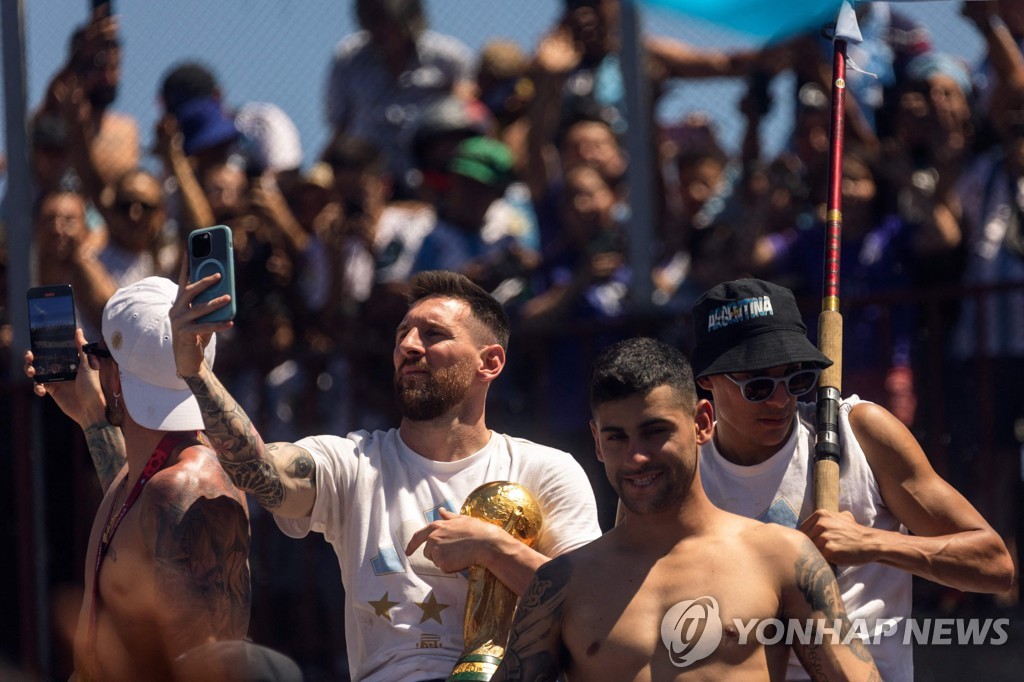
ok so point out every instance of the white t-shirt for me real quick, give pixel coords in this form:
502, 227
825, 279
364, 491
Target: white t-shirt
779, 490
403, 615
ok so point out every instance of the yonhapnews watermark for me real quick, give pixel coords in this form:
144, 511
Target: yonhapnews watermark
692, 629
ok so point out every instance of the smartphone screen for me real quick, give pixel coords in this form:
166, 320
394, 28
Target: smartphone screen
51, 323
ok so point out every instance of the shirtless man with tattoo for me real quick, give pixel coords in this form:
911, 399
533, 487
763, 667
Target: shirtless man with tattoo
388, 501
674, 590
170, 540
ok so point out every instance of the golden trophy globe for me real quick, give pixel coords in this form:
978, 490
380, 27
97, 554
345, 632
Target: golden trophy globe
489, 604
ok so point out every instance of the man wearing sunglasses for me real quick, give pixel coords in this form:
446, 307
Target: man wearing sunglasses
753, 355
138, 245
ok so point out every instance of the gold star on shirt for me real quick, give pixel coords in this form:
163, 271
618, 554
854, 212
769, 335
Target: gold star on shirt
431, 608
382, 607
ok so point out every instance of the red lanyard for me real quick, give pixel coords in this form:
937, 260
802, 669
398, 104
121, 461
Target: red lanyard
163, 450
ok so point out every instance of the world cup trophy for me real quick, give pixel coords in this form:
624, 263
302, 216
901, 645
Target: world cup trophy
490, 605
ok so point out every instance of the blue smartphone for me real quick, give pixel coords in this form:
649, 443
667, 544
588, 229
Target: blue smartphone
51, 326
210, 250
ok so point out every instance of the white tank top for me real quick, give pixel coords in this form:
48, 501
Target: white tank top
779, 490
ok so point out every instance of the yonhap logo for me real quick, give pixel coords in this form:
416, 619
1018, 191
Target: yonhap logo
691, 630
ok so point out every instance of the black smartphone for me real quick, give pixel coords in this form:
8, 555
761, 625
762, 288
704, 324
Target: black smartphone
210, 250
51, 325
107, 4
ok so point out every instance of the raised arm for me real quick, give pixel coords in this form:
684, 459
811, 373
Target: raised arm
534, 652
76, 111
281, 476
810, 594
169, 147
680, 60
950, 542
556, 56
83, 402
1003, 50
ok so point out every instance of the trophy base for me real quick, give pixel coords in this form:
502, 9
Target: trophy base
474, 668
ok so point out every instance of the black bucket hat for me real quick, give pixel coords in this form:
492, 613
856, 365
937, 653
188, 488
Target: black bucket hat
748, 325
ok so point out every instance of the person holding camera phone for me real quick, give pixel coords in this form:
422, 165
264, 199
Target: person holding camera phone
167, 560
387, 500
82, 93
66, 254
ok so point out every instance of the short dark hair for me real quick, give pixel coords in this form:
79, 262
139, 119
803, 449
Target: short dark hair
71, 188
185, 82
406, 13
578, 111
637, 366
354, 153
484, 307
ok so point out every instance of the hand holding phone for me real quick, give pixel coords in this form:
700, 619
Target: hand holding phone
51, 323
105, 6
81, 400
211, 251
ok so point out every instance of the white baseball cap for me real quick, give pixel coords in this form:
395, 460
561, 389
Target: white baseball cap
272, 135
137, 329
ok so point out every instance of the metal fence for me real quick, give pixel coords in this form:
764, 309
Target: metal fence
278, 51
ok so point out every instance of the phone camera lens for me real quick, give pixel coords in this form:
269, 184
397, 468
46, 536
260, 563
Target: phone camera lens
201, 245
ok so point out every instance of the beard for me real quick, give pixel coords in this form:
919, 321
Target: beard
671, 487
436, 393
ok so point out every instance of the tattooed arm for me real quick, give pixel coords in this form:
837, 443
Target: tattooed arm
810, 593
83, 401
535, 651
106, 447
281, 476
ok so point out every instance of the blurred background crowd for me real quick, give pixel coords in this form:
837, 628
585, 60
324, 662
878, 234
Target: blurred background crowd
508, 163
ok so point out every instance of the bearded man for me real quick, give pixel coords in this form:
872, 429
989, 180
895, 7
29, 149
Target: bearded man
387, 501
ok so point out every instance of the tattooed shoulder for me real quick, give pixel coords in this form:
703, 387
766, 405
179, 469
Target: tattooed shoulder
201, 552
535, 651
295, 461
549, 583
817, 582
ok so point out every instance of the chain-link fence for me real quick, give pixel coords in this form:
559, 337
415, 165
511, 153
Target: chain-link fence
279, 52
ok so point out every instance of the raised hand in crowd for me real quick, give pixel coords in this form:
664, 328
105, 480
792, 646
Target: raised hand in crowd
269, 202
82, 93
169, 147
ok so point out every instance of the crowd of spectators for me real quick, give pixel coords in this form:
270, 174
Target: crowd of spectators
509, 166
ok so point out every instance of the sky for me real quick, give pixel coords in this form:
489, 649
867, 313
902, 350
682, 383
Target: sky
279, 50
